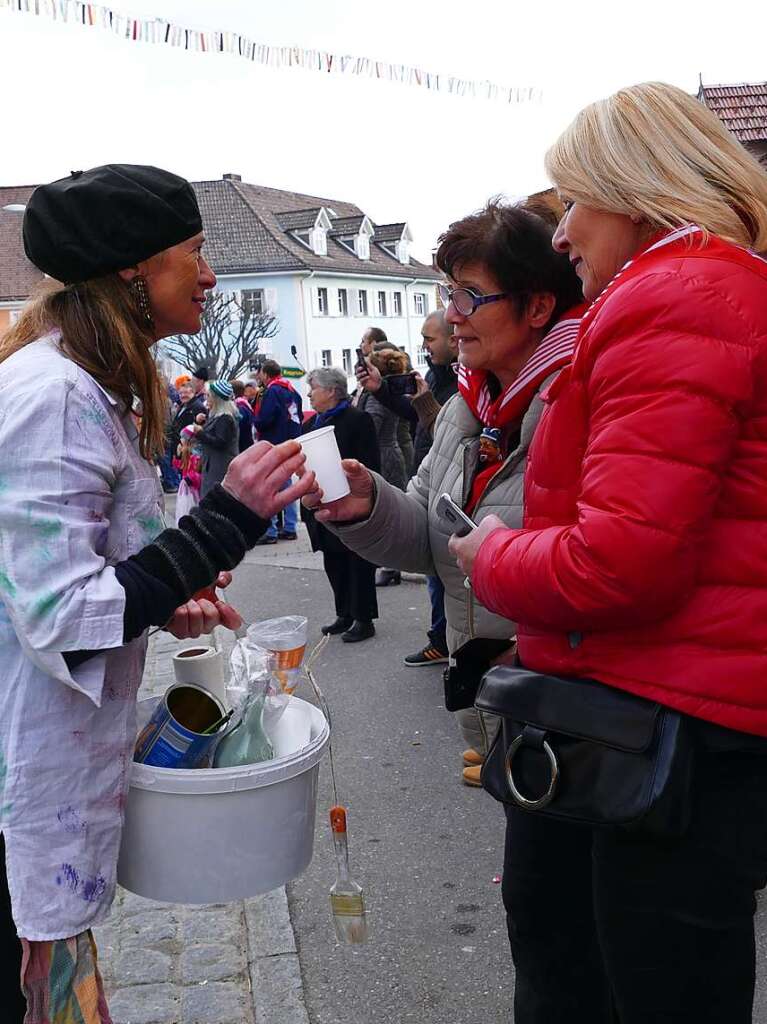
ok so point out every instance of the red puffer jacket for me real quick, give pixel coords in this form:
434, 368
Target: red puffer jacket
643, 561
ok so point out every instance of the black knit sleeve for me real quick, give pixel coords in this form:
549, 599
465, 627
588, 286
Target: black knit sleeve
178, 563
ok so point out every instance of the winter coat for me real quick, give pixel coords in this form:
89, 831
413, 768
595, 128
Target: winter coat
185, 417
644, 559
279, 416
245, 425
356, 437
219, 442
385, 421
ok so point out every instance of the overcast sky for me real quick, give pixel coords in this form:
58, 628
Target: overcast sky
76, 97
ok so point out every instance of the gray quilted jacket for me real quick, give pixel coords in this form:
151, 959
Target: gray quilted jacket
404, 531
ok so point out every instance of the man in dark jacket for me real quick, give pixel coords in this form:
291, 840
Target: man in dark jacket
440, 385
279, 418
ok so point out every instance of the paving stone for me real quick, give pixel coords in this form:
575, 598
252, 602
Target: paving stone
218, 1002
269, 927
146, 1004
130, 904
149, 929
212, 963
141, 966
219, 924
278, 991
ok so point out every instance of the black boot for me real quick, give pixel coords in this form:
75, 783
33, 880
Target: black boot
339, 626
360, 630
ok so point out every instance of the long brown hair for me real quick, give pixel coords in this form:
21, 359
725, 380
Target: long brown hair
102, 332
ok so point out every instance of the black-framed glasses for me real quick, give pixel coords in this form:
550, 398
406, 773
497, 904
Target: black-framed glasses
465, 300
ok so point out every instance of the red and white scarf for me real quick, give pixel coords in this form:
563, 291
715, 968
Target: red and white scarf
554, 352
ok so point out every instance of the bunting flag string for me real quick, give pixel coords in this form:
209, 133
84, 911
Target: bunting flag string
158, 31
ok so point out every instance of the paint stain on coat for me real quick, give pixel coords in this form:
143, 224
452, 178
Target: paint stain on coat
46, 604
88, 887
7, 584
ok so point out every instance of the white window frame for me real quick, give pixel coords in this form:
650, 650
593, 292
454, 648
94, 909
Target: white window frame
419, 303
322, 301
326, 357
381, 302
396, 304
420, 356
362, 246
346, 360
255, 297
362, 302
343, 302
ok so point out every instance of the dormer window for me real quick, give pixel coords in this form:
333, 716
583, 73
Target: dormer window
319, 241
362, 246
403, 251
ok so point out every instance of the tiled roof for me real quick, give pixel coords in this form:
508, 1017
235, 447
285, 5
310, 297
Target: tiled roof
347, 225
17, 275
245, 233
389, 232
741, 108
296, 220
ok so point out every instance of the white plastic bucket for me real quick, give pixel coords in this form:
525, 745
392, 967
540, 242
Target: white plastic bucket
215, 835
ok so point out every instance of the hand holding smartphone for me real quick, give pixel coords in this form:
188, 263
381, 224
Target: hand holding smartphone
455, 516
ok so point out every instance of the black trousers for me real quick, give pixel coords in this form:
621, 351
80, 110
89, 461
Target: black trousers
12, 1000
354, 585
660, 931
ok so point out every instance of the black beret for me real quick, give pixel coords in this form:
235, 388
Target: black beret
201, 373
107, 219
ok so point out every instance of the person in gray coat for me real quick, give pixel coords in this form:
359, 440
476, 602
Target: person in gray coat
219, 437
510, 299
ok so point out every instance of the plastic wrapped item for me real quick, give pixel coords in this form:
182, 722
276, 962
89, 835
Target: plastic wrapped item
285, 639
249, 689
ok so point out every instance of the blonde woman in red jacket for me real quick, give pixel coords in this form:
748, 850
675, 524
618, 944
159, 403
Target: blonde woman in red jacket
643, 563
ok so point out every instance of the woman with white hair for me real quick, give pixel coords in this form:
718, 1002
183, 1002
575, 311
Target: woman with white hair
642, 565
219, 437
351, 577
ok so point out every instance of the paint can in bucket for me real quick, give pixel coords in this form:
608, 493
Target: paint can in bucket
174, 737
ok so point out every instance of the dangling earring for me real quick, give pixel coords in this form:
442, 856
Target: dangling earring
140, 295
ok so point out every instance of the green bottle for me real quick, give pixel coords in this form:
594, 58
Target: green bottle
247, 743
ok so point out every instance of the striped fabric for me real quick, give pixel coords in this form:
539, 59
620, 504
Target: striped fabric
61, 982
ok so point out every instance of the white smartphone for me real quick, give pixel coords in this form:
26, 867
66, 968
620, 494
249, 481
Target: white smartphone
459, 521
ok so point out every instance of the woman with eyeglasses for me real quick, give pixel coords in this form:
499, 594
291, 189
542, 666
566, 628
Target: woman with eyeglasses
511, 301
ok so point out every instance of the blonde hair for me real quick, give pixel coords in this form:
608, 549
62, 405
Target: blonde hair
654, 150
218, 406
101, 331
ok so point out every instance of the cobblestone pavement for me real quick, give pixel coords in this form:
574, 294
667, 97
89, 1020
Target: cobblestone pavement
212, 964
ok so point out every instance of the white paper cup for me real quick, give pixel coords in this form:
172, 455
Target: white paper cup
322, 455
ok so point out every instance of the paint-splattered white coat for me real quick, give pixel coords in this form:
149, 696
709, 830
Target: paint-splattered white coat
75, 498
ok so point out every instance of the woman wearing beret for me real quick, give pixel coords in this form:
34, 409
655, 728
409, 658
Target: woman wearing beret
219, 437
86, 565
643, 564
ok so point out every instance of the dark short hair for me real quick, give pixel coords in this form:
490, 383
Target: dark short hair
238, 387
514, 244
376, 335
271, 368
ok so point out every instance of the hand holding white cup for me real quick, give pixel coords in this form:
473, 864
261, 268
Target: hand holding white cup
320, 449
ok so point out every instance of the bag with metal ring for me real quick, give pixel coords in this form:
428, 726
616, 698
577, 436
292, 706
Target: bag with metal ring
581, 751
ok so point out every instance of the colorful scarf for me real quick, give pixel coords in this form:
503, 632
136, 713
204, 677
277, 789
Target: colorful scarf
554, 352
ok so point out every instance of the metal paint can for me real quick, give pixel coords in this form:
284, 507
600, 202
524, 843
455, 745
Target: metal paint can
174, 735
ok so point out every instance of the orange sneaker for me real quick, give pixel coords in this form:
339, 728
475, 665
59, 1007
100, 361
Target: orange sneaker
471, 776
471, 758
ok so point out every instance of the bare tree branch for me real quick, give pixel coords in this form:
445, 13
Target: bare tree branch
229, 339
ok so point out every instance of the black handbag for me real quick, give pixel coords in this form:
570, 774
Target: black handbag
581, 751
466, 667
